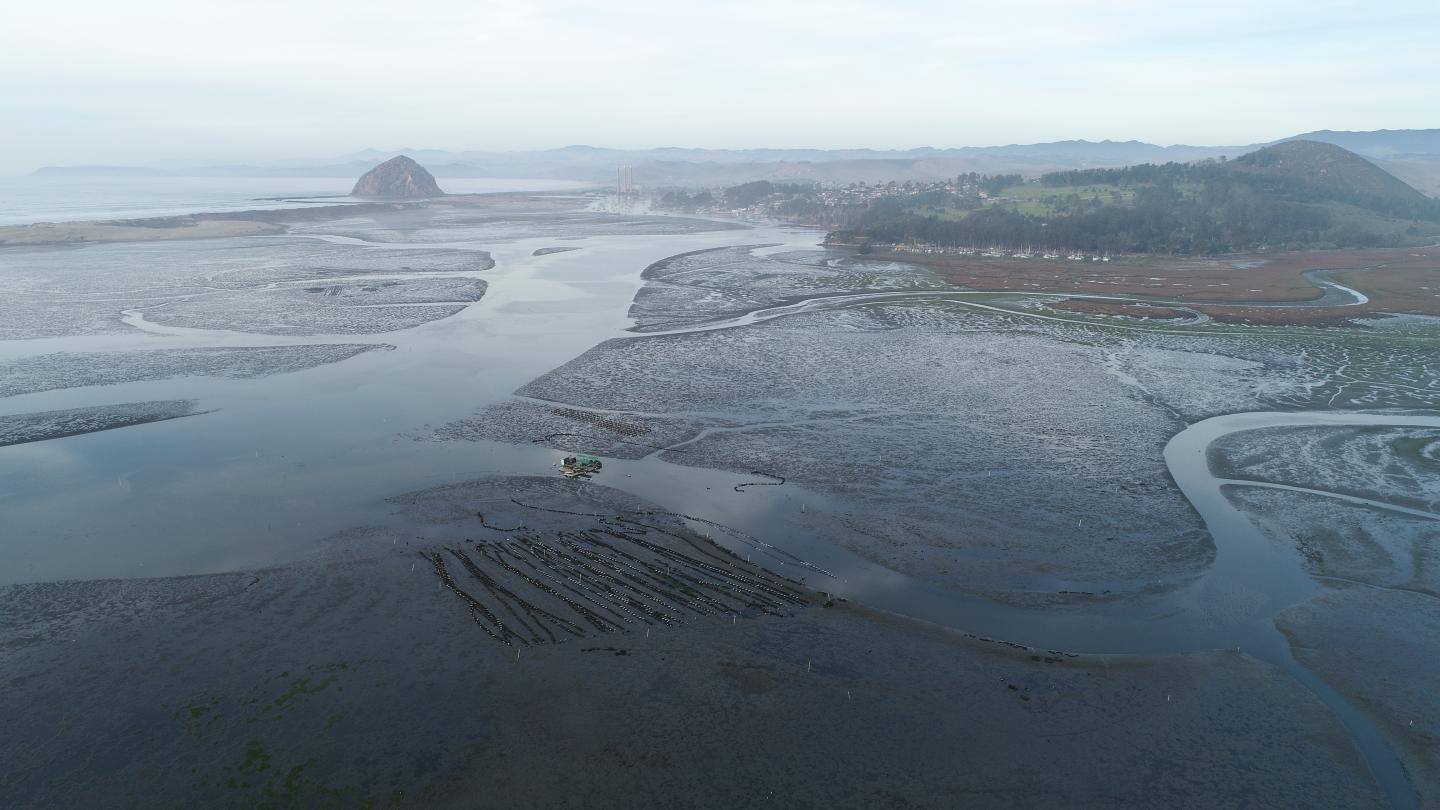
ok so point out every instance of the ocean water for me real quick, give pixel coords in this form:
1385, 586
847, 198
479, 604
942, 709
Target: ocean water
33, 198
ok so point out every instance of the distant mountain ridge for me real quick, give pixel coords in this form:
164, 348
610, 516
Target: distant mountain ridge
1412, 155
1380, 143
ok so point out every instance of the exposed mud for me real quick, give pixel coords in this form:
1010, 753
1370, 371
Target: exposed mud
72, 370
38, 427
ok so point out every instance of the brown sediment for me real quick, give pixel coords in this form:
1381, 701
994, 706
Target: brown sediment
1412, 286
1396, 280
1130, 309
1290, 316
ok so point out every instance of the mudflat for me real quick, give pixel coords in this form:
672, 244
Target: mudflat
364, 681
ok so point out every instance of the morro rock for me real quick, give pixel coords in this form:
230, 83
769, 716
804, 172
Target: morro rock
397, 178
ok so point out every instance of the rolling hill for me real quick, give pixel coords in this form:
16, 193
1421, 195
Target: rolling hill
1296, 194
1328, 168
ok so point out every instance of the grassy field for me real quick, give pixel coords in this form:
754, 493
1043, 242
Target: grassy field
1041, 200
1350, 216
1035, 199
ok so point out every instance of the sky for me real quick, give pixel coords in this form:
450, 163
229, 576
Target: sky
156, 82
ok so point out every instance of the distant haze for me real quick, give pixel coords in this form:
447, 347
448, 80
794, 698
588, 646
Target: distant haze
157, 82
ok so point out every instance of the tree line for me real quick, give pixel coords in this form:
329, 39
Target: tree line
1205, 208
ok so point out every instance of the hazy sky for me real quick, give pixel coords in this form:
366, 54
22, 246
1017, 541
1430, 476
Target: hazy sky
145, 81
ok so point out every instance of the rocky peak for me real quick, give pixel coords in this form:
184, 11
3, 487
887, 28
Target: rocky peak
397, 178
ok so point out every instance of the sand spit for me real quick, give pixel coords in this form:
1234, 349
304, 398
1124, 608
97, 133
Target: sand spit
61, 370
47, 233
37, 427
248, 223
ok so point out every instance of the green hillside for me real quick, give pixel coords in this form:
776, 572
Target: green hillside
1328, 167
1290, 195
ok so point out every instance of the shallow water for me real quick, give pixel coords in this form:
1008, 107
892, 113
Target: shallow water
287, 460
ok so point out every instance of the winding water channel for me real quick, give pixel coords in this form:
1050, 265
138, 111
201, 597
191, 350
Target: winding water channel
337, 472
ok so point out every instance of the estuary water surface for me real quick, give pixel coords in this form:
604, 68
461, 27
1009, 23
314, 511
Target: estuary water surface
285, 461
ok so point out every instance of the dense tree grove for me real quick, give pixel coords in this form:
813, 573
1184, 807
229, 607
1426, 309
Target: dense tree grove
741, 196
1201, 208
1217, 177
1176, 208
1159, 220
681, 200
747, 194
